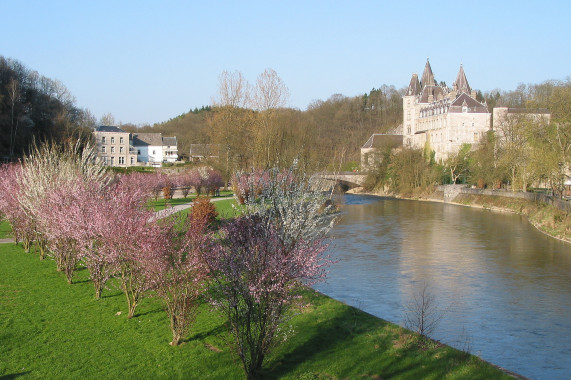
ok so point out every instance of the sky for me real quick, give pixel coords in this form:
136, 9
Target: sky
148, 61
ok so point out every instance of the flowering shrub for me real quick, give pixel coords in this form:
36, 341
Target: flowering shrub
265, 256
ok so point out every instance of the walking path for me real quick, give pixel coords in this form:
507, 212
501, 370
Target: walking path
174, 209
158, 215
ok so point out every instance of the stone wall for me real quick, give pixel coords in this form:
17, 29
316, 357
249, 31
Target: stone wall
451, 191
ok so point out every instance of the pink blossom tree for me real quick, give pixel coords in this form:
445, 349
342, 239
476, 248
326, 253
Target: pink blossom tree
23, 227
178, 274
129, 239
212, 182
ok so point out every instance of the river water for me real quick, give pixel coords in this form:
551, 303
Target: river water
503, 287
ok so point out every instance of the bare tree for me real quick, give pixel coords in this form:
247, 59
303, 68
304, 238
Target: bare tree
14, 95
271, 92
422, 314
107, 119
233, 90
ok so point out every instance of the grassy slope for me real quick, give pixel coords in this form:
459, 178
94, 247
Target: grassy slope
49, 329
546, 218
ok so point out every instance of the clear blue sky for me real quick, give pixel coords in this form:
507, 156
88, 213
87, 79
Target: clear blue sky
148, 61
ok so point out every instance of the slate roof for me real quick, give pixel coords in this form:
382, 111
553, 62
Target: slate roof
427, 76
169, 141
379, 140
414, 86
147, 139
466, 100
108, 128
461, 82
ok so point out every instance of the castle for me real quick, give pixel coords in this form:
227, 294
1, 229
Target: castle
442, 118
437, 116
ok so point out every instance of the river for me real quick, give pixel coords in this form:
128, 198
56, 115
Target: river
504, 288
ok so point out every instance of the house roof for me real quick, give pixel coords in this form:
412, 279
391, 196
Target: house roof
147, 139
465, 100
379, 140
109, 128
169, 141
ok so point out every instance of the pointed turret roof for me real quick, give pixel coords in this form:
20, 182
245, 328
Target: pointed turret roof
414, 86
427, 76
461, 84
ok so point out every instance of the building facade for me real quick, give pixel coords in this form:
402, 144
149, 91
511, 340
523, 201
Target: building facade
443, 118
114, 146
119, 148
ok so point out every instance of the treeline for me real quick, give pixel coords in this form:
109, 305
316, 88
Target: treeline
251, 127
523, 150
33, 106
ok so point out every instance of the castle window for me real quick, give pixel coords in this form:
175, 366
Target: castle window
112, 140
464, 109
103, 140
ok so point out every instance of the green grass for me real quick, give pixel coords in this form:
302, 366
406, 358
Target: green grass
159, 204
49, 329
5, 230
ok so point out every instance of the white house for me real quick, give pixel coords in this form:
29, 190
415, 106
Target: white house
155, 149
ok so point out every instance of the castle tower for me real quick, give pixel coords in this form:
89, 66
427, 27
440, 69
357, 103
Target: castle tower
427, 76
409, 109
461, 83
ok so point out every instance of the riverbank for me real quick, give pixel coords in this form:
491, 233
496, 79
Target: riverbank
325, 338
546, 218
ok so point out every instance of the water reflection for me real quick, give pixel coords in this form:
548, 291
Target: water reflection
507, 285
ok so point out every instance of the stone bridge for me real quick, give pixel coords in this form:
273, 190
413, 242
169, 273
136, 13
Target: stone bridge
347, 180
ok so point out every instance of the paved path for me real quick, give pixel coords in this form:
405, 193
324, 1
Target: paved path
158, 215
174, 209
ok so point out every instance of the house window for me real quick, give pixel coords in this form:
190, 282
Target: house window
112, 149
103, 140
121, 148
121, 160
112, 140
132, 160
103, 150
464, 109
138, 152
112, 161
120, 140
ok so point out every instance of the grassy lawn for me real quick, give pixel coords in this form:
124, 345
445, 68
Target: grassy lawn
5, 230
49, 329
159, 204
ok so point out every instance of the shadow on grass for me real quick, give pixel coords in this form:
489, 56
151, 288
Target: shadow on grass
215, 331
148, 312
332, 332
116, 294
14, 375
